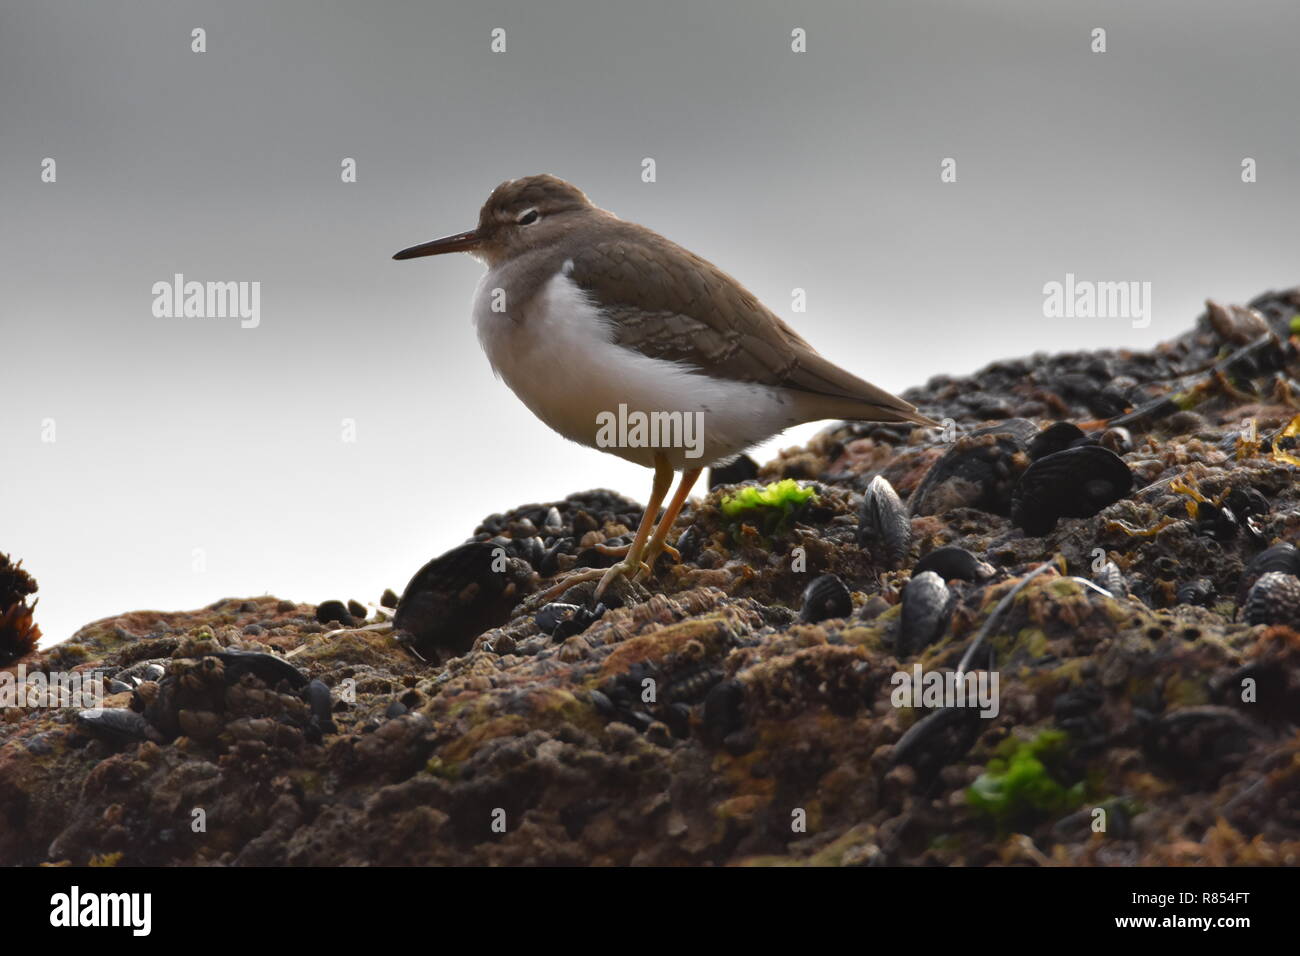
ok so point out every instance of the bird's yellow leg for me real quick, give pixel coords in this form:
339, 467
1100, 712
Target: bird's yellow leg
631, 562
659, 543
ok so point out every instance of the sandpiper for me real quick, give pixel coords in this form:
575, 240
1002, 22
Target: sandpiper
589, 318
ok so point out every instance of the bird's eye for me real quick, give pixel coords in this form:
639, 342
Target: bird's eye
528, 217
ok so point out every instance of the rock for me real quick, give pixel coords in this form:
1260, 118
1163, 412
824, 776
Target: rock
683, 722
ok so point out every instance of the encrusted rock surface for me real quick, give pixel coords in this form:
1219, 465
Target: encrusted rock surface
705, 723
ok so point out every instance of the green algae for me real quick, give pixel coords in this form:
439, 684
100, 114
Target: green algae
1019, 786
773, 506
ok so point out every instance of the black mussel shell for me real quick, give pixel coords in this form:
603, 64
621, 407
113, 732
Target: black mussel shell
334, 612
550, 564
530, 549
593, 557
724, 710
884, 526
743, 468
979, 471
927, 605
117, 725
688, 544
939, 739
562, 621
1247, 501
459, 595
322, 710
1199, 592
582, 619
1054, 438
552, 615
1075, 483
267, 668
1280, 557
1274, 599
825, 597
1250, 506
951, 562
1217, 521
142, 671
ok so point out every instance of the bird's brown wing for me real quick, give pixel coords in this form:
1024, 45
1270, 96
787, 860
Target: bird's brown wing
668, 303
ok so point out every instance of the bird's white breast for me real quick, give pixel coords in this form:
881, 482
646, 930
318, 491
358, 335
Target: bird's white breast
556, 353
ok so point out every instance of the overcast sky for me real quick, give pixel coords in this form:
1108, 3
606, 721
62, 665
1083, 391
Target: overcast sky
194, 459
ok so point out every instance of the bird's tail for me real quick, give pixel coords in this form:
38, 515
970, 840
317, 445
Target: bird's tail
877, 405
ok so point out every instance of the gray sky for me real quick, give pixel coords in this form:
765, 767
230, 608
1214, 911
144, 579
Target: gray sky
816, 170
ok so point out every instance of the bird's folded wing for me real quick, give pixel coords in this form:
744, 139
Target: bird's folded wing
668, 303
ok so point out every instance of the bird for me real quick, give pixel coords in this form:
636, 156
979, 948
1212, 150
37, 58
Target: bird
598, 325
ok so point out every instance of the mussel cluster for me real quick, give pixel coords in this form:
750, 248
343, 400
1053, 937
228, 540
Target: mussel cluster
475, 586
1035, 477
1271, 587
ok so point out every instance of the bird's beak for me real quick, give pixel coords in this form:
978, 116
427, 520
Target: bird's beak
461, 242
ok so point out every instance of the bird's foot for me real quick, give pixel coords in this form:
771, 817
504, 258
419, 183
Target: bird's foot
577, 577
631, 569
613, 550
606, 577
647, 561
652, 555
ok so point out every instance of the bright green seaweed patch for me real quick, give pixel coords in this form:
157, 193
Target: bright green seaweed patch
1018, 784
774, 505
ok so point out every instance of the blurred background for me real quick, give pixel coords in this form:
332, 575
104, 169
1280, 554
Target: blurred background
194, 459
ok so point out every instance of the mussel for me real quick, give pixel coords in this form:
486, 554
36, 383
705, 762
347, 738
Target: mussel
459, 595
884, 526
951, 562
927, 605
1075, 483
979, 471
825, 597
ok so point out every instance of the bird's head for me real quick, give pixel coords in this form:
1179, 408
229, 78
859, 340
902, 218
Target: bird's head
519, 215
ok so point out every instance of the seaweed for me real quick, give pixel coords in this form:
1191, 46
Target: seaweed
775, 505
1018, 786
18, 631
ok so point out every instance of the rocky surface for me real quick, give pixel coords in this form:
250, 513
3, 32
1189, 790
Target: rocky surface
1149, 691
